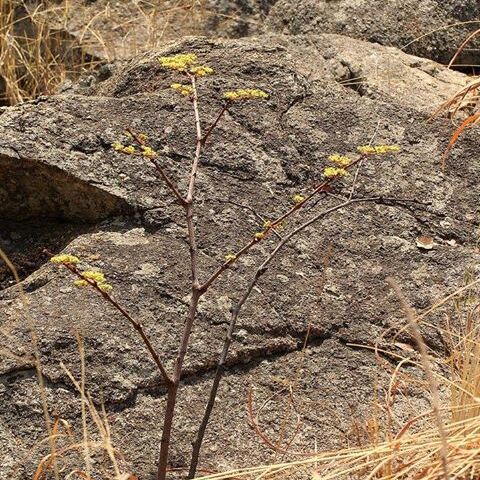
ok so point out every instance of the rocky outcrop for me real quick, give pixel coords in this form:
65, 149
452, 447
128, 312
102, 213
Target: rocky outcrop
432, 28
328, 94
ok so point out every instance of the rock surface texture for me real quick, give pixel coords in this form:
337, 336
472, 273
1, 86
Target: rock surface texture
430, 28
56, 163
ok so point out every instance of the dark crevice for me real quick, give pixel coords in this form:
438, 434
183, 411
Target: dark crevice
470, 70
241, 362
43, 207
24, 244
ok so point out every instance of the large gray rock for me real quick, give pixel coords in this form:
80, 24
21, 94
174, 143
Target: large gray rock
57, 164
430, 28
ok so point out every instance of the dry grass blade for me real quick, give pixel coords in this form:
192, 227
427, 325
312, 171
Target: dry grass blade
468, 123
462, 46
412, 320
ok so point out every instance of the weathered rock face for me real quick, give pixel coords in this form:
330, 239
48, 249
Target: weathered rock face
260, 156
431, 28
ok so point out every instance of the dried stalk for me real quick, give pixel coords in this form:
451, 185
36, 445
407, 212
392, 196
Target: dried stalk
432, 382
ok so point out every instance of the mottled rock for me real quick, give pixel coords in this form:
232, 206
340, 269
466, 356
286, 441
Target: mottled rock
260, 156
432, 28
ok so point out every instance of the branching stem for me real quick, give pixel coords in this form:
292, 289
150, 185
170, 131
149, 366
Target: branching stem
236, 311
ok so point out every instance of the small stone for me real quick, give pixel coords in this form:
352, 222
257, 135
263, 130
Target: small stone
425, 243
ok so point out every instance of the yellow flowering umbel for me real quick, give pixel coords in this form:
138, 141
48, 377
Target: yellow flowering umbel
129, 150
230, 257
148, 152
245, 94
117, 146
377, 149
97, 277
72, 259
298, 198
180, 62
185, 90
332, 172
201, 70
341, 160
259, 236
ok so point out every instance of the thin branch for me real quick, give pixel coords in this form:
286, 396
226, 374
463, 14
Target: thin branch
250, 209
355, 178
169, 182
322, 188
198, 149
215, 123
136, 324
238, 307
195, 297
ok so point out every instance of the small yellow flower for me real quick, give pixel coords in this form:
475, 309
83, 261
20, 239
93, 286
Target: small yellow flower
65, 259
244, 94
148, 152
105, 287
259, 235
267, 224
201, 70
142, 137
184, 90
98, 277
230, 257
298, 198
129, 150
378, 149
331, 172
341, 160
95, 276
118, 146
179, 62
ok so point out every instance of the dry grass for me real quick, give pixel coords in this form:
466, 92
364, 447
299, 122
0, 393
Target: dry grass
43, 43
35, 57
464, 105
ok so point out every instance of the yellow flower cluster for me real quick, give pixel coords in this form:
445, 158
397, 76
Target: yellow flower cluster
331, 172
180, 62
259, 235
378, 149
230, 257
267, 224
118, 147
186, 62
130, 149
148, 152
341, 160
298, 198
244, 94
97, 277
185, 90
65, 259
201, 70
